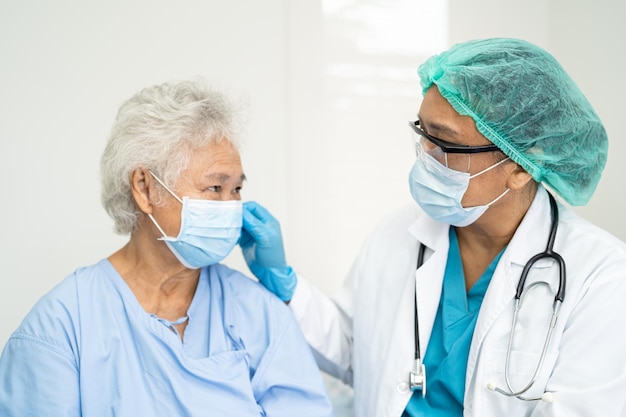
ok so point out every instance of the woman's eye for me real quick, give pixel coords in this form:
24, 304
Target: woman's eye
215, 188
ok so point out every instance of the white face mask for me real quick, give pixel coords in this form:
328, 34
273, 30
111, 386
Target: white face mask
439, 190
209, 230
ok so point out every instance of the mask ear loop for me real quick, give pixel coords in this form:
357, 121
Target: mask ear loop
165, 236
158, 227
489, 168
165, 186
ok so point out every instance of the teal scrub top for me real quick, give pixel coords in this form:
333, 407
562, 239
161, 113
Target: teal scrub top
448, 348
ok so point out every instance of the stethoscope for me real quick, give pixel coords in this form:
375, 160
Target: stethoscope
417, 377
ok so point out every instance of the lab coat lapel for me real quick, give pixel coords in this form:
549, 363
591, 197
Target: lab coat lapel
429, 278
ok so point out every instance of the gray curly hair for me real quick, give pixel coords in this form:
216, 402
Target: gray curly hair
159, 128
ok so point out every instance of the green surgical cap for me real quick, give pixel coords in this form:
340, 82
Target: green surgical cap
524, 102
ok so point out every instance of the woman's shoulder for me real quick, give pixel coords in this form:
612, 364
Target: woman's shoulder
243, 291
68, 291
54, 319
247, 303
250, 312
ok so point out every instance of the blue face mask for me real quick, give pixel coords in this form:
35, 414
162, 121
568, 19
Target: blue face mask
439, 190
209, 230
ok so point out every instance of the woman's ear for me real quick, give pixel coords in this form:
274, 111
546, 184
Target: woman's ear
518, 178
141, 185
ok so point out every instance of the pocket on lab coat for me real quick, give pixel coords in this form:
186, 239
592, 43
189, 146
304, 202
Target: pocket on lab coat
522, 367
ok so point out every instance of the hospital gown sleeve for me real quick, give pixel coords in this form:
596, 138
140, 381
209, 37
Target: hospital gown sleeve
37, 379
287, 382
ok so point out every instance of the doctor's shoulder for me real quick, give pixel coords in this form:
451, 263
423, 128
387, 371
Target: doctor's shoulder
590, 252
389, 233
581, 234
397, 221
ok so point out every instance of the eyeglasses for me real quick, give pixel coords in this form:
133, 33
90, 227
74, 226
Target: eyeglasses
449, 147
451, 155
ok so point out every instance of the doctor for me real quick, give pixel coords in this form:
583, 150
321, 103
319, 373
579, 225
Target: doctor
497, 335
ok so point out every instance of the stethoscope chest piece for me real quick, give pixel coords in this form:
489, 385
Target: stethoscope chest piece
417, 378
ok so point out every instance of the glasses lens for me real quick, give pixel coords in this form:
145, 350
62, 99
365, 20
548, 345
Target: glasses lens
456, 161
424, 145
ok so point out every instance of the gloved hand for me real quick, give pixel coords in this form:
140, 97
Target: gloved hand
262, 246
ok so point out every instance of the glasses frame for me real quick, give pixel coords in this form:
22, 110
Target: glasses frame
449, 147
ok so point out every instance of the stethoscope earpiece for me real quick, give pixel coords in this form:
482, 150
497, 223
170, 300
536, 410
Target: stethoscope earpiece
545, 397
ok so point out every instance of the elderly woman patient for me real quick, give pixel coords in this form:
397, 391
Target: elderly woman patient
160, 328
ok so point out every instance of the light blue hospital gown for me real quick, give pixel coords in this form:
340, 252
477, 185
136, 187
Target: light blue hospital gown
87, 348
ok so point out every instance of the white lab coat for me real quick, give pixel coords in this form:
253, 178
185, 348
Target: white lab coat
365, 335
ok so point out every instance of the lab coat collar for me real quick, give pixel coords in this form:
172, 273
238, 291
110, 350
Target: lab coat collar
431, 233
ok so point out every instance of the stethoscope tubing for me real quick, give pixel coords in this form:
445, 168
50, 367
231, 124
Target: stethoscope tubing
548, 253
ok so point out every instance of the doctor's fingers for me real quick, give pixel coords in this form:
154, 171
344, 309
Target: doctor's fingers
245, 240
258, 211
263, 233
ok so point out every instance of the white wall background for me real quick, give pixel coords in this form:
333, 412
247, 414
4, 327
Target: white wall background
327, 87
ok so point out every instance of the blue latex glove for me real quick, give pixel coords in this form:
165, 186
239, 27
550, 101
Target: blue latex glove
262, 246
